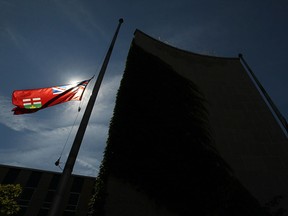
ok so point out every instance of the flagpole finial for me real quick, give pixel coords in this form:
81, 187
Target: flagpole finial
121, 20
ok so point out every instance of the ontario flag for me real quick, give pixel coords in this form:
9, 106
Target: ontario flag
32, 100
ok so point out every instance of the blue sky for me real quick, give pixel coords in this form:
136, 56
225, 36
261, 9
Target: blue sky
53, 42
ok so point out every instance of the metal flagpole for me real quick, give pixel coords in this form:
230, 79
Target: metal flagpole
266, 95
57, 205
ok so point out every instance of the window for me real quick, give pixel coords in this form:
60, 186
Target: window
50, 193
77, 184
34, 179
73, 201
11, 176
54, 182
48, 199
25, 197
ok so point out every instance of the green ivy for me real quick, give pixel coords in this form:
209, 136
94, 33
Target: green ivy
160, 141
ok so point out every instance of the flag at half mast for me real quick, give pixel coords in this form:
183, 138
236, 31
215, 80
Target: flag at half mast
32, 100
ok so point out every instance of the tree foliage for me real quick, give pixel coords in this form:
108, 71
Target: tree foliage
8, 198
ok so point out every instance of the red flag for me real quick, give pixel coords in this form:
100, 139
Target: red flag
32, 100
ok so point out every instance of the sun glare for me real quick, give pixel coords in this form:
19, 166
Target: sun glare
74, 81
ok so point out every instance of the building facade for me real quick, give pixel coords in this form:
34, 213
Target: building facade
38, 189
191, 134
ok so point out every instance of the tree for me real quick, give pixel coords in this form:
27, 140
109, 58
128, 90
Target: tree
8, 196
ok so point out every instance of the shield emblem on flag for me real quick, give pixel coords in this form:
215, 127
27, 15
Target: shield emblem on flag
32, 103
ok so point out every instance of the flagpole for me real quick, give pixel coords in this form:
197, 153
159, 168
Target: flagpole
57, 205
266, 95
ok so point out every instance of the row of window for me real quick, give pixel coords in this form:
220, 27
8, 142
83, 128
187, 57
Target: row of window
31, 186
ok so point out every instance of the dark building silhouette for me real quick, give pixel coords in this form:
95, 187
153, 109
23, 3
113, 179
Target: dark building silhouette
38, 189
191, 135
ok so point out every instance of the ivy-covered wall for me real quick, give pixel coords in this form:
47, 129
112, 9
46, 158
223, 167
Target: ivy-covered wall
160, 142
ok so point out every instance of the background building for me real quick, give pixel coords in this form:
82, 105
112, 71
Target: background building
38, 188
191, 134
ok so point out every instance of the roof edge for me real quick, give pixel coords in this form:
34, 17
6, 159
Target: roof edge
137, 31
